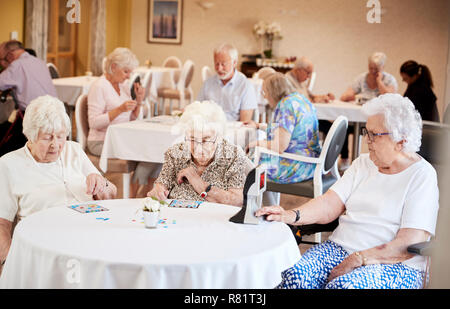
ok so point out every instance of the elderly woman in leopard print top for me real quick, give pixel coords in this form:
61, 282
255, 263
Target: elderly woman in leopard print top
205, 166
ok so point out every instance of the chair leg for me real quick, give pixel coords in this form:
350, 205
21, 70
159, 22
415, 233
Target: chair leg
170, 106
126, 180
318, 238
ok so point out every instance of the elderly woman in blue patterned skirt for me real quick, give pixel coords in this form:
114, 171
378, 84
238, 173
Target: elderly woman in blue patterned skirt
294, 129
386, 201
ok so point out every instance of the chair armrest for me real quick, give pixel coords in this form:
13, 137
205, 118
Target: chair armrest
287, 155
421, 248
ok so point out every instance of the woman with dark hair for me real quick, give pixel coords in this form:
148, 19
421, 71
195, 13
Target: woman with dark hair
418, 78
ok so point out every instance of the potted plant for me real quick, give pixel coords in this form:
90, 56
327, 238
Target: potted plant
268, 33
151, 211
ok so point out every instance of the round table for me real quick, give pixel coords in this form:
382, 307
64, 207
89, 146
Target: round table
191, 248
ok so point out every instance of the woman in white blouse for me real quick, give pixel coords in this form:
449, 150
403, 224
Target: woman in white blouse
47, 172
109, 98
387, 200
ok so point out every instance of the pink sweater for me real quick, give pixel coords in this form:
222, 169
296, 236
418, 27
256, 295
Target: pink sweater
102, 98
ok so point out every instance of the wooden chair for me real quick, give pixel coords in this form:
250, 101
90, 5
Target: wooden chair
180, 91
114, 165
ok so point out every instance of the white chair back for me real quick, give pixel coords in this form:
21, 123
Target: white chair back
54, 73
173, 62
206, 73
81, 120
312, 81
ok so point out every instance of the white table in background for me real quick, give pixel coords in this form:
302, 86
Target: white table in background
70, 88
351, 110
194, 249
148, 140
162, 77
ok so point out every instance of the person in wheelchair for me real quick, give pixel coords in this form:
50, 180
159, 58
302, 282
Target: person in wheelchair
386, 201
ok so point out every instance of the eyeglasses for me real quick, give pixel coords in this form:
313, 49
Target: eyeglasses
204, 143
371, 135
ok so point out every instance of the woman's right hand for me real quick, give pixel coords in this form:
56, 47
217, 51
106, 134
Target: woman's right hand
276, 213
128, 106
159, 191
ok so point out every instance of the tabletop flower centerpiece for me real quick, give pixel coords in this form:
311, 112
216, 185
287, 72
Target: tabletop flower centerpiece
268, 33
151, 211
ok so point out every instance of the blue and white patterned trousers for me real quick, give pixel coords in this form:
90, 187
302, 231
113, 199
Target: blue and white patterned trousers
313, 269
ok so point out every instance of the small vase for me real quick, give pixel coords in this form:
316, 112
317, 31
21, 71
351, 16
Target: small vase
151, 219
268, 53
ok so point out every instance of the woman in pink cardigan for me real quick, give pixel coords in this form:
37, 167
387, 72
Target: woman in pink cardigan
109, 99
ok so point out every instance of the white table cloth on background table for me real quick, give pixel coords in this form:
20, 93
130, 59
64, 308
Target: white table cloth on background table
148, 140
162, 77
351, 110
194, 248
70, 88
262, 102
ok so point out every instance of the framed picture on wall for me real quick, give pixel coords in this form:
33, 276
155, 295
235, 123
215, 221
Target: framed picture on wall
165, 21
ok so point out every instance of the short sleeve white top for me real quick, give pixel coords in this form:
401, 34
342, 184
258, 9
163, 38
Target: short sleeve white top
238, 94
27, 186
378, 205
360, 85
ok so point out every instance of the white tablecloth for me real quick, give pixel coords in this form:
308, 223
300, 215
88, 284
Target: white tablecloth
194, 248
70, 88
334, 109
148, 140
161, 78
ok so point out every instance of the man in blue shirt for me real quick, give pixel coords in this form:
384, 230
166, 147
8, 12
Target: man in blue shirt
230, 88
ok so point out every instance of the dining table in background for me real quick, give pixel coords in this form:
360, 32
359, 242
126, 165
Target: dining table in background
147, 140
162, 77
198, 248
69, 89
330, 111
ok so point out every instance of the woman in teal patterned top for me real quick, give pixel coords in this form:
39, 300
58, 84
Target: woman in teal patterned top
294, 129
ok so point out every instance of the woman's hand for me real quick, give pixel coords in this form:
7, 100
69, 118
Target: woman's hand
188, 174
159, 191
128, 106
100, 188
276, 213
346, 266
251, 124
251, 145
140, 92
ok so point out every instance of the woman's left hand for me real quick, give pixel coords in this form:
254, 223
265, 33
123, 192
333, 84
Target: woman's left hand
140, 92
98, 187
346, 266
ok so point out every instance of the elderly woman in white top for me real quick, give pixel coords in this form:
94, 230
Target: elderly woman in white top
386, 201
371, 84
205, 166
109, 98
48, 171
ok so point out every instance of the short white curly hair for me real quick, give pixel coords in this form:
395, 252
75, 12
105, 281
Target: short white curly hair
45, 114
401, 119
205, 115
122, 57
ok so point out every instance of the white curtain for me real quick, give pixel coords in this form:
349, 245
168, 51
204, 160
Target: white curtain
98, 39
36, 24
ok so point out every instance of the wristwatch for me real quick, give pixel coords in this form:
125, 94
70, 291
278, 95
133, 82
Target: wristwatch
204, 194
297, 215
2, 262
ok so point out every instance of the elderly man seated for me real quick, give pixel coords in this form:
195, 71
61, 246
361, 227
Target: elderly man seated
386, 201
230, 88
300, 76
29, 77
47, 172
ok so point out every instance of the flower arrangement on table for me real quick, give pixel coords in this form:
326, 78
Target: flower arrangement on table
151, 209
268, 32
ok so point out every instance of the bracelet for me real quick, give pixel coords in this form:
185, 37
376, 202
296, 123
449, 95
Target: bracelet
297, 215
363, 258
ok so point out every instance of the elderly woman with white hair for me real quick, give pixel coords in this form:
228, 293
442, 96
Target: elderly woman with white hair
205, 167
386, 201
109, 98
48, 171
371, 84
